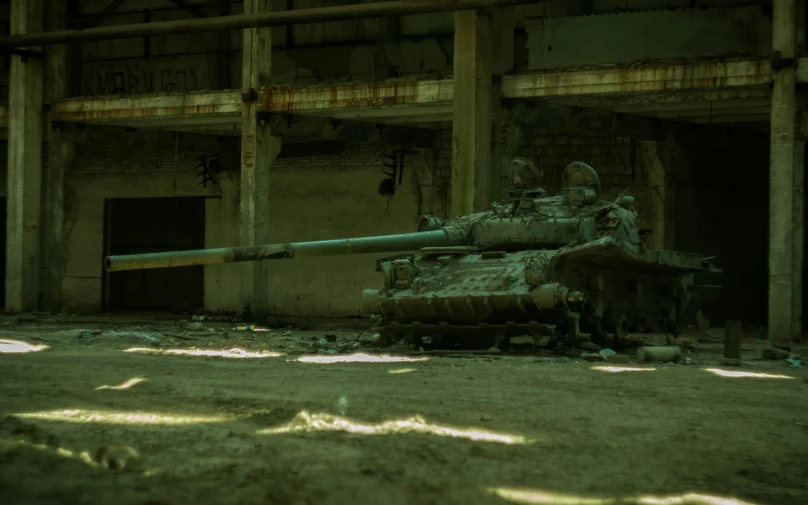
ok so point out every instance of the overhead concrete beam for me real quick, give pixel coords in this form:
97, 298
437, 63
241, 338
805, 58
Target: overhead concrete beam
207, 105
291, 127
423, 113
656, 77
652, 83
389, 93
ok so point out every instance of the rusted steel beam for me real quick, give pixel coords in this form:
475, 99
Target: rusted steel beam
277, 18
111, 109
407, 94
656, 77
357, 95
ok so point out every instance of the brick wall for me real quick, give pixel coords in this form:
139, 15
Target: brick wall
617, 160
120, 159
612, 157
352, 157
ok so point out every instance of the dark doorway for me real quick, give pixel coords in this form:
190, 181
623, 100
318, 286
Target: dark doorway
149, 225
804, 242
3, 224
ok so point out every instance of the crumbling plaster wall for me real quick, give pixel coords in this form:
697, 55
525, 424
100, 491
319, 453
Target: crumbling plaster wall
313, 53
330, 197
311, 198
356, 50
691, 33
100, 173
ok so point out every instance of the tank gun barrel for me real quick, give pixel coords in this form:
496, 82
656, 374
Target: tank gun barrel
339, 247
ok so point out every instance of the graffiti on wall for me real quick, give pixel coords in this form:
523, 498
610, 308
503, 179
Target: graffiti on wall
144, 76
130, 81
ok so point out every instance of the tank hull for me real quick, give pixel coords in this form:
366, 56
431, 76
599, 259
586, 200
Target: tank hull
601, 291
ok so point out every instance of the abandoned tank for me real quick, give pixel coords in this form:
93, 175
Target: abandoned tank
559, 268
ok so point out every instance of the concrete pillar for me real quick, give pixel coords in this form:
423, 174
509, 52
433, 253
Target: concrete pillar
24, 164
661, 184
258, 149
506, 133
223, 289
59, 154
785, 184
472, 108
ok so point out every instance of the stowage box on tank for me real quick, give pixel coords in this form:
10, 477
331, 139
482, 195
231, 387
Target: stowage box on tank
565, 267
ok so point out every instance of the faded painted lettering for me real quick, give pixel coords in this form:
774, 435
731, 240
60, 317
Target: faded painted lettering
114, 80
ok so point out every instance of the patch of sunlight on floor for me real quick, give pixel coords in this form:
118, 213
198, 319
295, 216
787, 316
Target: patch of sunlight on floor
401, 370
106, 417
232, 353
617, 369
688, 499
18, 347
358, 358
305, 422
58, 451
734, 373
530, 497
134, 381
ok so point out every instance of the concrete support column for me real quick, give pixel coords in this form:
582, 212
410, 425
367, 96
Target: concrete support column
59, 155
472, 108
661, 184
506, 132
24, 165
785, 184
257, 146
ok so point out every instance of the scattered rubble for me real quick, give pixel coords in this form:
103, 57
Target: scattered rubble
773, 353
212, 333
117, 458
664, 354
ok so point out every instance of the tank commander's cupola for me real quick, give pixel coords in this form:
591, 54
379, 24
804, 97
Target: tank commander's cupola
581, 184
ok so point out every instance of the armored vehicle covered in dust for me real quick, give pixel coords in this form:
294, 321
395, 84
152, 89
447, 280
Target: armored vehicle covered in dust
567, 267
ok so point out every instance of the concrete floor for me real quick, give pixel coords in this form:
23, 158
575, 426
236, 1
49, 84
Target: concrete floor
232, 417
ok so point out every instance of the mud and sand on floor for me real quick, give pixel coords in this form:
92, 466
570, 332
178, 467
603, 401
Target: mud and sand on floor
233, 417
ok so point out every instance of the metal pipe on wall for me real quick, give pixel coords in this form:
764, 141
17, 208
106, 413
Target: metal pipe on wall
267, 19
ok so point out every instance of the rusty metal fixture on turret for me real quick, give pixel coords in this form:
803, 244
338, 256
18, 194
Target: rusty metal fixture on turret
566, 268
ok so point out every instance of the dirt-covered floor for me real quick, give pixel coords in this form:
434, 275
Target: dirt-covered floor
272, 421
